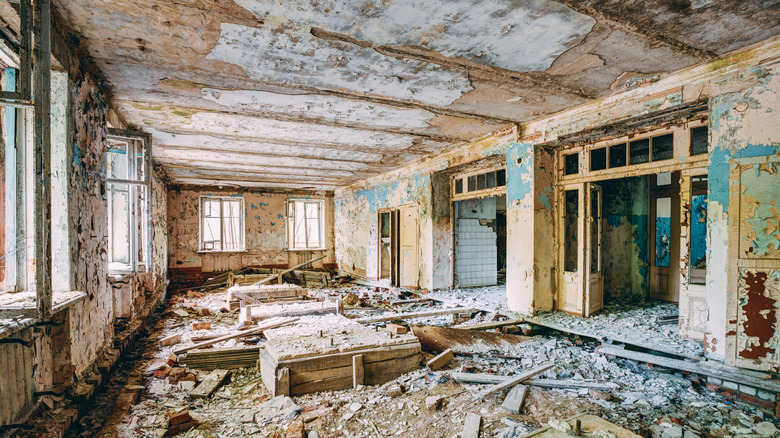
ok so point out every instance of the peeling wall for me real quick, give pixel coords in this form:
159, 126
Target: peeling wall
265, 228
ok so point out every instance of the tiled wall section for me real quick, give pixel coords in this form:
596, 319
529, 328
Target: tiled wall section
476, 254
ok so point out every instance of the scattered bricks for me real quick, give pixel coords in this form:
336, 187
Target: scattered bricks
201, 325
204, 311
170, 340
766, 395
193, 294
172, 359
441, 360
433, 402
749, 390
176, 374
527, 329
730, 385
162, 372
295, 430
510, 329
178, 417
757, 402
397, 329
395, 390
721, 390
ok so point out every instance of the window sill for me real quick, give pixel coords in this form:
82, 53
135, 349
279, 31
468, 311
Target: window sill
220, 251
306, 249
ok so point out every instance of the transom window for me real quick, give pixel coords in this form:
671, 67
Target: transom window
305, 224
128, 203
481, 181
221, 223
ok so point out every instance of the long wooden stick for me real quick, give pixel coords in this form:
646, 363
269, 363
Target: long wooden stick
251, 332
397, 316
517, 379
279, 275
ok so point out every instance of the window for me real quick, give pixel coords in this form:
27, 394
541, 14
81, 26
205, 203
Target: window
640, 151
127, 190
663, 147
617, 155
305, 224
698, 257
571, 164
479, 181
221, 223
598, 159
699, 140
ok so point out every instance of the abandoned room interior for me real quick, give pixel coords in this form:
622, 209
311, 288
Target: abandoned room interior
441, 218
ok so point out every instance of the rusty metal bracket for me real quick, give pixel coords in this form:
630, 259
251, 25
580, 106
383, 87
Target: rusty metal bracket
16, 341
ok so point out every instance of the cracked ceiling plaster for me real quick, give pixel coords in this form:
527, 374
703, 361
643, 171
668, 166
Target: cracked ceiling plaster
321, 93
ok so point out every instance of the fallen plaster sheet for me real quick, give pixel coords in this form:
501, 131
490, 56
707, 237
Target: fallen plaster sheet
489, 299
312, 325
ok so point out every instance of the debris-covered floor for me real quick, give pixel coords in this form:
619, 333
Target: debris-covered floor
652, 402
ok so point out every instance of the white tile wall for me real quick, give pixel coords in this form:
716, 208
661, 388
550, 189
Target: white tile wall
476, 254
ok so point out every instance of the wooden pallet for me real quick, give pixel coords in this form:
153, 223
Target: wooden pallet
334, 362
221, 358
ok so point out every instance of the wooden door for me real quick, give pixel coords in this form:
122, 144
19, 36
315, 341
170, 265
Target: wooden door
594, 284
752, 330
410, 269
664, 245
571, 230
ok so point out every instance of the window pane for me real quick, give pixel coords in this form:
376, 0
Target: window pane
698, 234
617, 155
595, 224
699, 140
501, 178
570, 223
211, 233
117, 165
490, 180
598, 159
139, 160
232, 227
640, 151
663, 147
459, 186
572, 164
313, 224
300, 225
472, 183
663, 231
142, 226
119, 225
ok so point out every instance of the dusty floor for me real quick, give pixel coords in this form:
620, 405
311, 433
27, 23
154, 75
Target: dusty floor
650, 402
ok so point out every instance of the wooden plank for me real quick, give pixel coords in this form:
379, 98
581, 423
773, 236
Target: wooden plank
492, 379
514, 400
222, 358
375, 373
358, 373
490, 325
210, 384
401, 316
397, 329
441, 360
471, 428
434, 338
253, 331
245, 298
411, 301
282, 382
517, 379
280, 274
296, 313
379, 354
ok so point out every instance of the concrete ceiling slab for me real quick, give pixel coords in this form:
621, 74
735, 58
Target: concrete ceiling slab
243, 90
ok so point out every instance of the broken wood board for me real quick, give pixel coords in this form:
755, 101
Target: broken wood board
221, 358
490, 325
262, 312
514, 380
492, 379
312, 279
411, 301
435, 338
267, 292
279, 275
209, 384
701, 368
441, 360
327, 363
411, 315
254, 331
589, 425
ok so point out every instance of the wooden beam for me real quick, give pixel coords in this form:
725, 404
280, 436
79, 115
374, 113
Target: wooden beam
441, 360
280, 274
490, 325
358, 372
244, 333
400, 316
517, 379
210, 384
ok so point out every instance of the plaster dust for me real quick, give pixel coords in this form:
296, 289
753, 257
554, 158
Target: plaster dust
650, 402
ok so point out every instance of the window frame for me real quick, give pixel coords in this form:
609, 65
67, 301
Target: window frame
290, 246
139, 213
241, 217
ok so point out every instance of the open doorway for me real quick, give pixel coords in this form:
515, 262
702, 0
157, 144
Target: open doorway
480, 241
398, 258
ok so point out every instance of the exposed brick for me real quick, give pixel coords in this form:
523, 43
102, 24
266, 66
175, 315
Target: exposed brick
721, 390
766, 395
749, 390
757, 402
730, 385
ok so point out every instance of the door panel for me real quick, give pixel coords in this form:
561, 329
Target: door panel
753, 332
664, 245
594, 285
571, 231
410, 270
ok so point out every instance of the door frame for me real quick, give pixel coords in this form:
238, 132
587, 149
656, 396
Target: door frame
564, 277
671, 191
588, 309
394, 244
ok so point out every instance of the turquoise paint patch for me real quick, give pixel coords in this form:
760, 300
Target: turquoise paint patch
519, 177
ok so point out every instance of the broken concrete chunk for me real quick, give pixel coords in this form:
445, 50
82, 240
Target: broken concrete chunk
295, 430
433, 402
181, 312
278, 408
472, 425
395, 390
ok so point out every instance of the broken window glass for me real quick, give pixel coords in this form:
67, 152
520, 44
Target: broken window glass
571, 222
571, 164
663, 147
640, 151
699, 140
598, 159
617, 155
663, 232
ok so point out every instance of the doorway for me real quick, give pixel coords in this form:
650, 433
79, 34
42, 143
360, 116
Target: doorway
480, 241
398, 261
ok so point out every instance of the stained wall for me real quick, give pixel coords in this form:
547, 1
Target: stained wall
265, 228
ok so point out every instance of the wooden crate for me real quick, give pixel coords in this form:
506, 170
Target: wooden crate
311, 363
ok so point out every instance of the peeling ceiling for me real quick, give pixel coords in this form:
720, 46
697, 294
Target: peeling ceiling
321, 93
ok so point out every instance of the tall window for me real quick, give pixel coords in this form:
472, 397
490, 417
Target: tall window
221, 223
305, 224
128, 204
